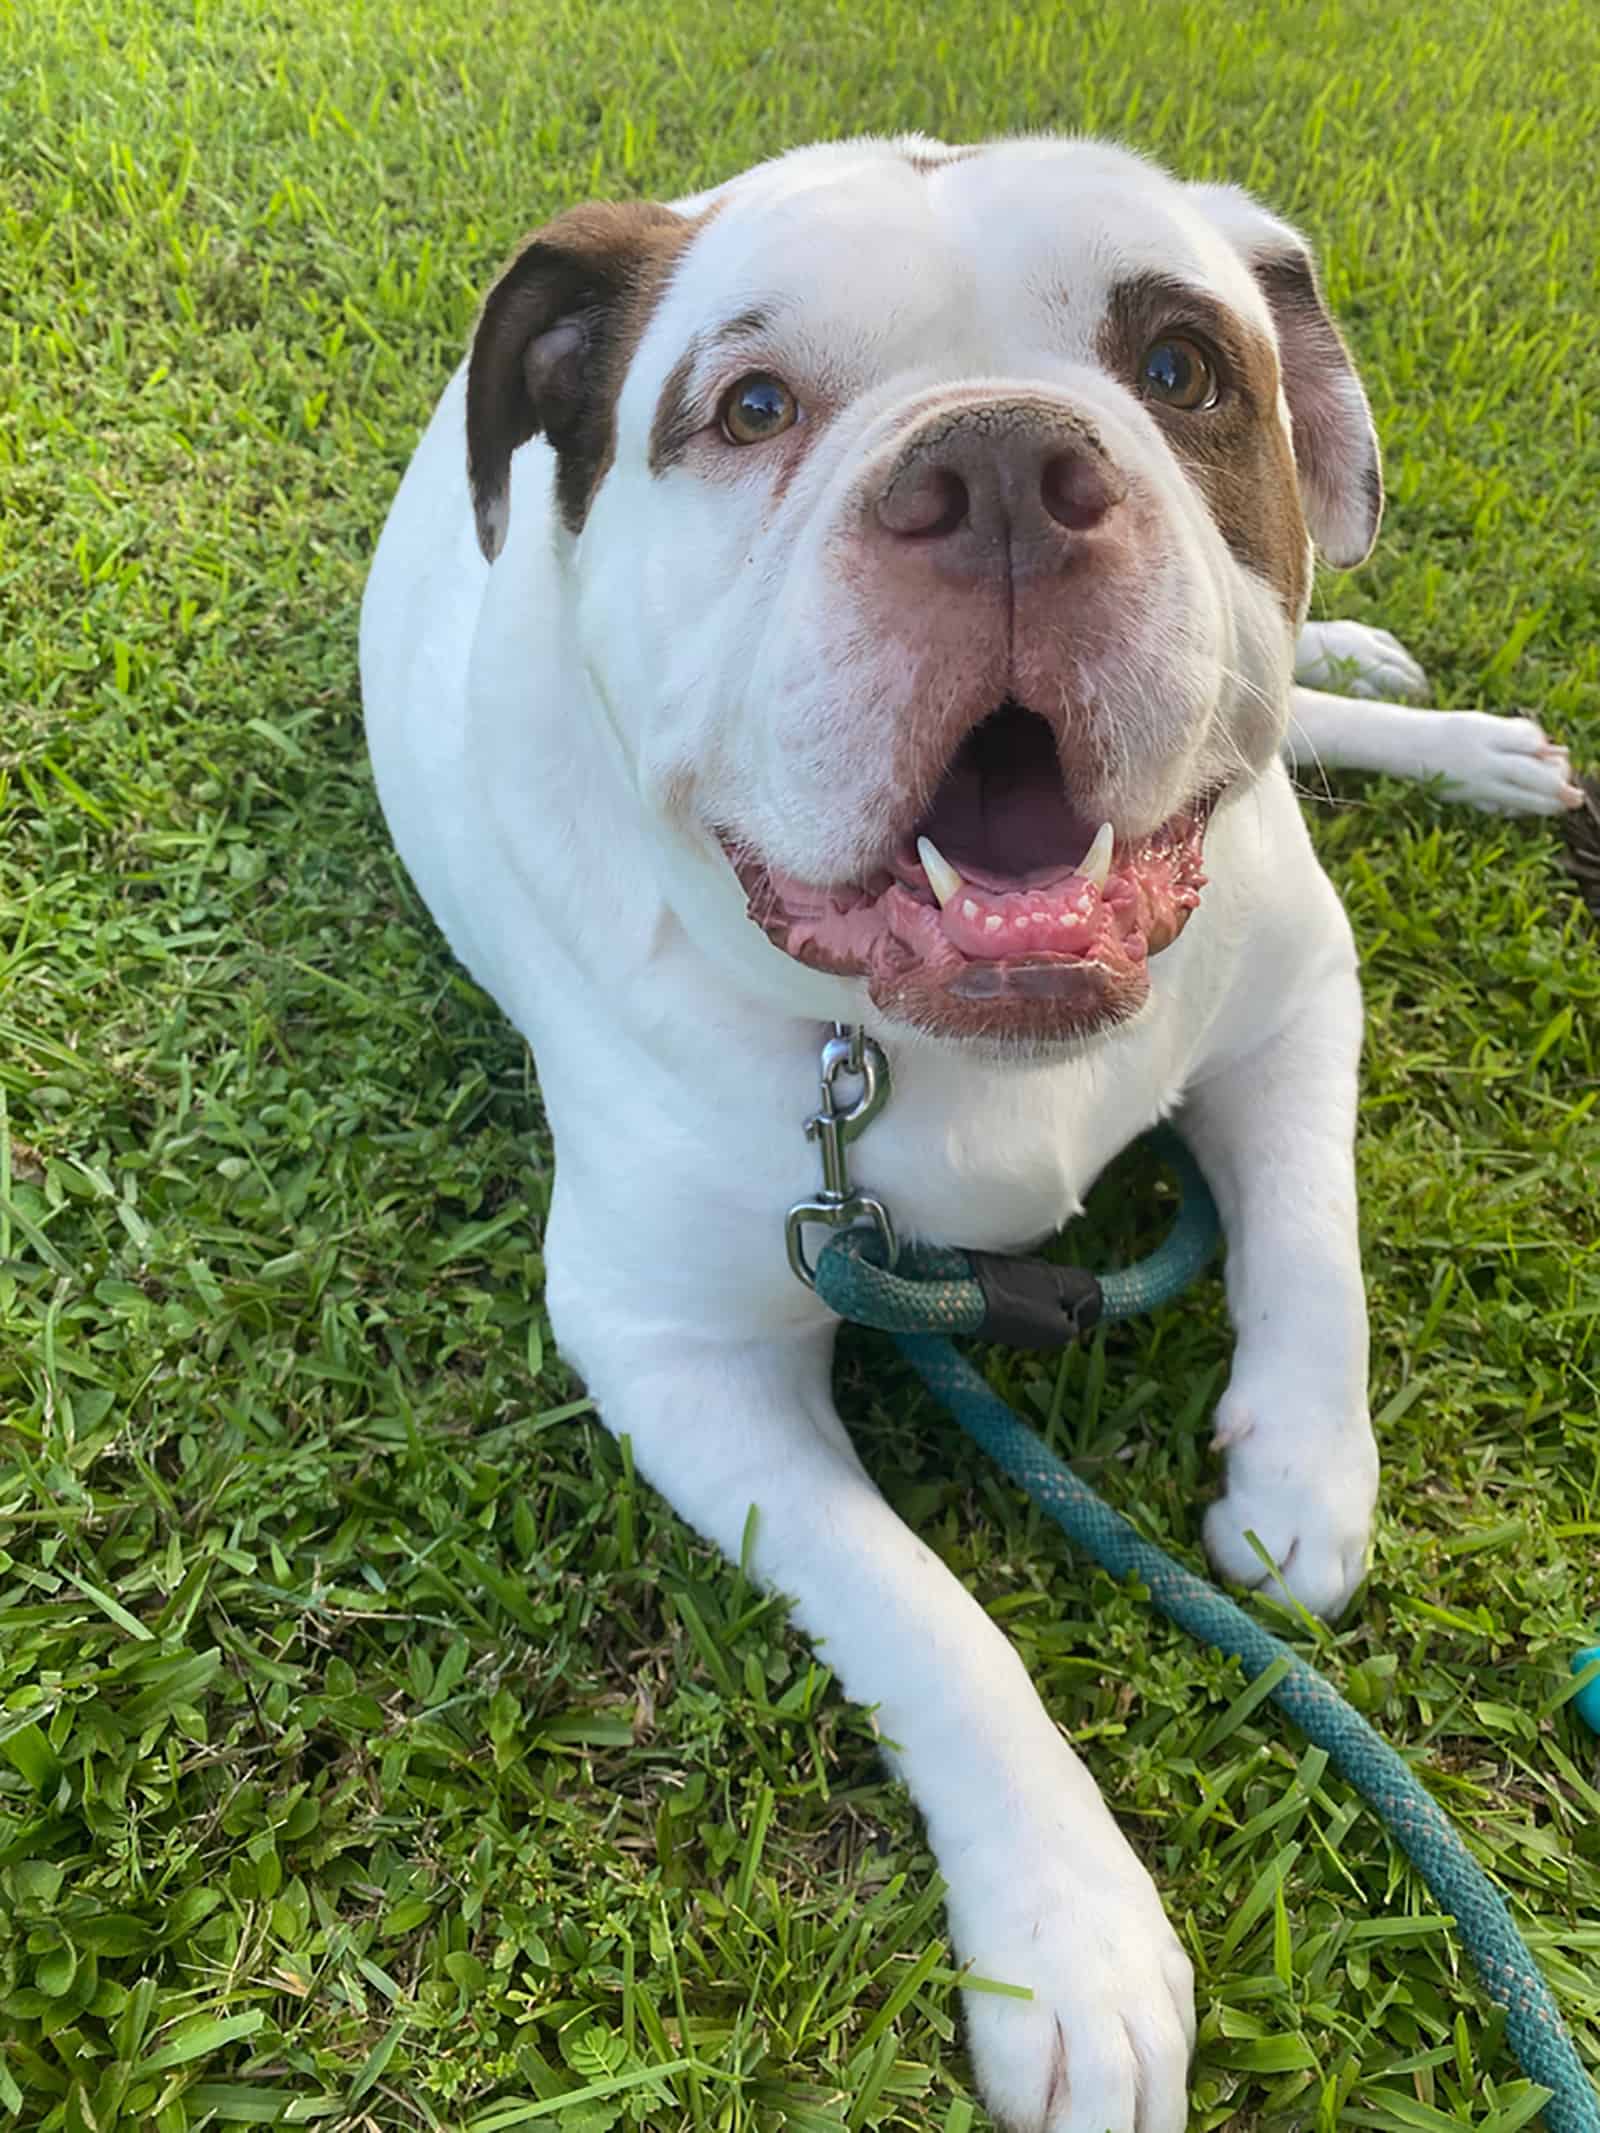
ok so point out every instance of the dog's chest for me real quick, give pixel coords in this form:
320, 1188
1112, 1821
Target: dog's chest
999, 1157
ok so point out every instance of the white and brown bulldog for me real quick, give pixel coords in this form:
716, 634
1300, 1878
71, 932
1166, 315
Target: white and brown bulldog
869, 592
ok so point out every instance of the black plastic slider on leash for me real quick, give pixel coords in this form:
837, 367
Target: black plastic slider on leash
1028, 1303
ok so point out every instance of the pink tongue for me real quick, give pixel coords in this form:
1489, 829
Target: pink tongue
1063, 919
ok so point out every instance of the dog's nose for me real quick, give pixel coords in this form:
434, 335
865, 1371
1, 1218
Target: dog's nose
1076, 489
990, 484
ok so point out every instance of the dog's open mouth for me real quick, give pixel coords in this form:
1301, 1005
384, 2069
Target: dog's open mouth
1004, 909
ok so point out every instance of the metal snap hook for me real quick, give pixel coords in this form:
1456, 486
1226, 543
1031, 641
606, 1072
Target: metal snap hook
848, 1056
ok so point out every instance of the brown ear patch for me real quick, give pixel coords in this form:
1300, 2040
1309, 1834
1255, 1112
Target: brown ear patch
1236, 453
1315, 363
553, 345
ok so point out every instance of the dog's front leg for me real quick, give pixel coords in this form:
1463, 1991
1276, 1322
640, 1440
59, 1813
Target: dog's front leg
1274, 1132
1044, 1890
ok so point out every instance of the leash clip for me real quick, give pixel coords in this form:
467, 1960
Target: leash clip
849, 1055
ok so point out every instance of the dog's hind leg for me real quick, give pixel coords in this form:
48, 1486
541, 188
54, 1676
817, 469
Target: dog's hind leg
1506, 766
1355, 659
1341, 719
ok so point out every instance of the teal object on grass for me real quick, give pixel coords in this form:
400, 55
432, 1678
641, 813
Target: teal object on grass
1587, 1701
934, 1293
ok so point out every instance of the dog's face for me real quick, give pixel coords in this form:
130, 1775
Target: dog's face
939, 524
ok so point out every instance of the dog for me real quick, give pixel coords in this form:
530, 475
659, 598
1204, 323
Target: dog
868, 593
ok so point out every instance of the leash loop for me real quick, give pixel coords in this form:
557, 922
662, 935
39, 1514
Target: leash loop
1022, 1302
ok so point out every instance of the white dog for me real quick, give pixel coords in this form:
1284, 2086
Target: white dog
898, 557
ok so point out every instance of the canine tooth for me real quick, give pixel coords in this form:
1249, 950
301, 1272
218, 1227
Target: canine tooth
1095, 865
943, 879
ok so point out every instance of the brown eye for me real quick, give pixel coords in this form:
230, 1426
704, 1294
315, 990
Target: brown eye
757, 408
1178, 373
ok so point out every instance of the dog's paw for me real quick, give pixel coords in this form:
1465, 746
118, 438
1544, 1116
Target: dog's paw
1306, 1488
1504, 765
1353, 659
1103, 2046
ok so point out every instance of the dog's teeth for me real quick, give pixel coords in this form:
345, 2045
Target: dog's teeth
1095, 865
943, 879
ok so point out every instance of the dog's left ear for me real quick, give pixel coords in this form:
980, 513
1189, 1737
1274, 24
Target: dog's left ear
553, 345
1335, 444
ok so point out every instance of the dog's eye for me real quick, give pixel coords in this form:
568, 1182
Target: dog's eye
1178, 373
757, 408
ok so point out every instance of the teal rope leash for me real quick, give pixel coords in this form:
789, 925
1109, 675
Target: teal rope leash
933, 1293
937, 1289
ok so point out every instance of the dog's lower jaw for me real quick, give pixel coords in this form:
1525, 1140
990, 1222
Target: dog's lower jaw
1020, 1005
1036, 959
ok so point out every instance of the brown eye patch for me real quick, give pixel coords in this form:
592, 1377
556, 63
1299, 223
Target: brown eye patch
679, 418
1186, 355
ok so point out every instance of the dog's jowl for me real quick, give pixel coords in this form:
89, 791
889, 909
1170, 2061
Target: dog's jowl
869, 592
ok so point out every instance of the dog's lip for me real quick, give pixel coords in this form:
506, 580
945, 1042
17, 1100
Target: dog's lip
1056, 977
1004, 907
888, 919
902, 864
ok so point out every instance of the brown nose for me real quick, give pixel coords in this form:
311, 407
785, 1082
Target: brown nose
1015, 482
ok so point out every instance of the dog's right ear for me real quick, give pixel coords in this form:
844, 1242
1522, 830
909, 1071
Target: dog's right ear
1334, 442
553, 346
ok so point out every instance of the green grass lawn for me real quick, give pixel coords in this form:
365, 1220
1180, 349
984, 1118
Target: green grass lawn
374, 1753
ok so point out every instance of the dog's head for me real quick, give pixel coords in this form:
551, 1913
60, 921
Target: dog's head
938, 524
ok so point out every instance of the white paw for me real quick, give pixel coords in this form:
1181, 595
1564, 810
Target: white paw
1505, 765
1352, 659
1306, 1488
1103, 2046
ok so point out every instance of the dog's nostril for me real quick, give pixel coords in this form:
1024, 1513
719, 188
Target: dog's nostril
1077, 491
925, 506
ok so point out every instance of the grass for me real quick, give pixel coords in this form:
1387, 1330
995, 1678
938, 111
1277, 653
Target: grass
374, 1753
